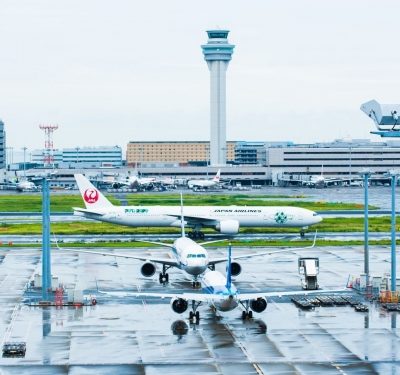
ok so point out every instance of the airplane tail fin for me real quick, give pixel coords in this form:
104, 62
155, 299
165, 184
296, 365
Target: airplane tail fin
229, 268
217, 176
182, 218
92, 197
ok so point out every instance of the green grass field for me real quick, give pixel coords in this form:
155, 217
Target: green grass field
65, 202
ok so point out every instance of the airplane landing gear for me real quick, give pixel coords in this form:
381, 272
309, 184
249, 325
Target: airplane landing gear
194, 315
164, 277
247, 314
196, 284
196, 235
302, 233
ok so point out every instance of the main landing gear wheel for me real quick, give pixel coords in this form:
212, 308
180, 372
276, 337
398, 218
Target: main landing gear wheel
194, 317
196, 235
302, 233
247, 315
196, 284
164, 277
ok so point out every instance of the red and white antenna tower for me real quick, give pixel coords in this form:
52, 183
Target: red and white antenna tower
48, 155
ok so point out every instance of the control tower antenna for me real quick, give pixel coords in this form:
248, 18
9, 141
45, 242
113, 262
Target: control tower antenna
217, 53
48, 154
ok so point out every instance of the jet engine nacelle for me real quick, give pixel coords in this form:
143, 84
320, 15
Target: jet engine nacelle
179, 305
258, 305
236, 268
148, 269
228, 227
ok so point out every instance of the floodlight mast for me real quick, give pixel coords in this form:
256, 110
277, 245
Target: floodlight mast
385, 117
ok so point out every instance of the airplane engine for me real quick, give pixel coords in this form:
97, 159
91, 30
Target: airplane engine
258, 305
179, 305
236, 268
148, 269
228, 227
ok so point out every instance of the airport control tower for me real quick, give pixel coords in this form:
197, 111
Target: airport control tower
217, 52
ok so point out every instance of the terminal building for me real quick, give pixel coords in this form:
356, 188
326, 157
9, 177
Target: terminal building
341, 158
82, 157
251, 163
173, 153
267, 163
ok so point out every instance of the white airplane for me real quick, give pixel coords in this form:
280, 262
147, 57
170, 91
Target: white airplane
129, 181
26, 186
187, 255
205, 184
220, 293
225, 219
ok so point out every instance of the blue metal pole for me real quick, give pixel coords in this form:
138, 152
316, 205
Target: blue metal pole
366, 249
393, 237
46, 278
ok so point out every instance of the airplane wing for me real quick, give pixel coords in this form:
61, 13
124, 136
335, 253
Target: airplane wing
88, 212
199, 297
196, 219
251, 296
168, 262
157, 243
269, 252
204, 297
214, 241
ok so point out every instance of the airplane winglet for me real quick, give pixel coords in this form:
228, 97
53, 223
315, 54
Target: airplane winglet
315, 238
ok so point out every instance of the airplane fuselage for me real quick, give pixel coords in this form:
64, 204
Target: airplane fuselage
208, 216
214, 282
191, 257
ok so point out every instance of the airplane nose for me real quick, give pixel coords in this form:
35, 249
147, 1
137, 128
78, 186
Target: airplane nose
317, 218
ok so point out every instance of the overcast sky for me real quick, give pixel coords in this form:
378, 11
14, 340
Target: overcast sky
110, 72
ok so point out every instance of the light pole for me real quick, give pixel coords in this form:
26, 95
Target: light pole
366, 173
46, 260
24, 148
77, 157
393, 176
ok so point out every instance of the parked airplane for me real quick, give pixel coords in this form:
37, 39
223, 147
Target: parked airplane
220, 293
129, 181
225, 219
186, 255
26, 186
205, 184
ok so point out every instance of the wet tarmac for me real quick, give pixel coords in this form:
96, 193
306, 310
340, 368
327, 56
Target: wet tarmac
144, 336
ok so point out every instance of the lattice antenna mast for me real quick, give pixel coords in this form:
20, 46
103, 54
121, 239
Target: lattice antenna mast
48, 154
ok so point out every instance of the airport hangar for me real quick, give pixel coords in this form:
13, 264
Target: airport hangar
250, 163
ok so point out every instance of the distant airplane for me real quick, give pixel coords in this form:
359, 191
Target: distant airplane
26, 186
186, 255
220, 293
321, 181
129, 181
225, 219
205, 184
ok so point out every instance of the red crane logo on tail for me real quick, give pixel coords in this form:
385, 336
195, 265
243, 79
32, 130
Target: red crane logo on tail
91, 195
